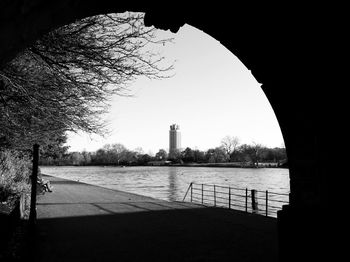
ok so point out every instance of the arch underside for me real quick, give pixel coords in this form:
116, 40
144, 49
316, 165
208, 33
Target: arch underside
276, 47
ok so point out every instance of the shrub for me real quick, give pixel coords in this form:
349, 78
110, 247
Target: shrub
15, 170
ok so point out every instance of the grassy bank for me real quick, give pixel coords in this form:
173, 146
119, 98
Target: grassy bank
15, 170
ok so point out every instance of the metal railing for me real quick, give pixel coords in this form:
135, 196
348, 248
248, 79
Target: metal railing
253, 201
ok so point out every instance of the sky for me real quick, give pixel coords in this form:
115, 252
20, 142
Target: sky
211, 95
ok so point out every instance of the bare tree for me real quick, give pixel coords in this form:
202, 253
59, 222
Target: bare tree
115, 152
63, 82
256, 153
229, 144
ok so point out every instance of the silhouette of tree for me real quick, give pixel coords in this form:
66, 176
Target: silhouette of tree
62, 82
229, 144
161, 155
216, 155
252, 152
56, 148
188, 155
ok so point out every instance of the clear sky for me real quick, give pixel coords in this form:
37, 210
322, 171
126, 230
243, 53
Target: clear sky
211, 95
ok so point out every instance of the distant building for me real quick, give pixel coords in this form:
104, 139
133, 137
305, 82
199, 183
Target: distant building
174, 139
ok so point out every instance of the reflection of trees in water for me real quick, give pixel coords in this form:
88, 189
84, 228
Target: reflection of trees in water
173, 184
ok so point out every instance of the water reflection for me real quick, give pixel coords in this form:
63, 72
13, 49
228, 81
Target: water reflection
173, 184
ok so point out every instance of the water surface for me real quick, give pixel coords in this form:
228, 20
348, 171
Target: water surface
171, 183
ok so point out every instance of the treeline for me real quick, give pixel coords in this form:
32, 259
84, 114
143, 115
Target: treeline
117, 154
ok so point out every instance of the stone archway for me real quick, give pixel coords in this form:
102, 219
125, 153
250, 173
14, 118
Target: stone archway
277, 48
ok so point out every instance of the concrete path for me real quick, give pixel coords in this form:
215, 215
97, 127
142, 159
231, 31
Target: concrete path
81, 222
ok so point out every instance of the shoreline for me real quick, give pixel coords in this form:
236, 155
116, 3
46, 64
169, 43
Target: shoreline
223, 165
228, 165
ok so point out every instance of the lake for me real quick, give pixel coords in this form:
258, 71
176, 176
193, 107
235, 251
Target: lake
171, 183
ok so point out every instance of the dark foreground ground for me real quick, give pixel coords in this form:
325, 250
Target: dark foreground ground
80, 222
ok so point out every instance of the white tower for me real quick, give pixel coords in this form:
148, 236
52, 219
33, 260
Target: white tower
174, 139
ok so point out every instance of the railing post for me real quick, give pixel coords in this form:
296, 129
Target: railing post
254, 203
191, 190
34, 178
202, 194
267, 199
229, 198
214, 197
188, 189
246, 200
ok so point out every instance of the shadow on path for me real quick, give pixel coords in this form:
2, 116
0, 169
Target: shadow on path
208, 234
81, 222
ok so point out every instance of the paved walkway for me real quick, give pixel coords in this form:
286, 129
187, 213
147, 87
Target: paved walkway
81, 222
